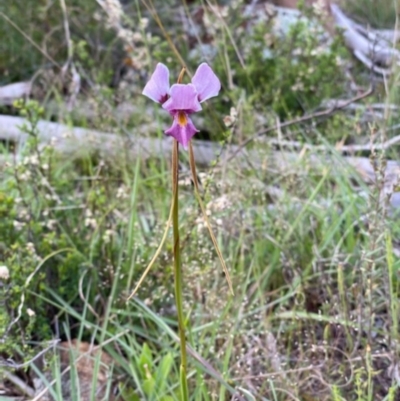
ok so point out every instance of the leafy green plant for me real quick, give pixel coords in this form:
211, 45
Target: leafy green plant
153, 376
287, 73
55, 233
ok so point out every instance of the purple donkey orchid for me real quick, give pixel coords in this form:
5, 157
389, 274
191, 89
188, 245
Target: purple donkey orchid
181, 100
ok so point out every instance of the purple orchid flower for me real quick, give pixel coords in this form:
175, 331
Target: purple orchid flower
182, 100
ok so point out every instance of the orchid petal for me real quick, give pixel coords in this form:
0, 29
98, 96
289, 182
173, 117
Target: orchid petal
206, 82
182, 129
183, 97
157, 88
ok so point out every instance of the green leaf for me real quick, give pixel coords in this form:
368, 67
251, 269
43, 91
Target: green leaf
163, 371
146, 361
149, 386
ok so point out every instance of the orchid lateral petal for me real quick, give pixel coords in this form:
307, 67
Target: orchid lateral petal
182, 129
206, 82
183, 97
157, 88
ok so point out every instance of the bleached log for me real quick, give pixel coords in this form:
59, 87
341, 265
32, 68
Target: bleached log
383, 37
10, 93
369, 49
75, 142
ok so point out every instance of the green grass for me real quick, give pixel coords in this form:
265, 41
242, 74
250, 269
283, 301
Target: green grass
311, 251
378, 15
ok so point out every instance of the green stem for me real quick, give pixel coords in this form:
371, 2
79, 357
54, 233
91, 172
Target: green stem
178, 274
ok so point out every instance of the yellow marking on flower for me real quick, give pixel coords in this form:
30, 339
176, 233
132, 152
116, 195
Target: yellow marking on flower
182, 119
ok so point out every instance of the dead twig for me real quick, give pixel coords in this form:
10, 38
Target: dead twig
9, 363
299, 120
338, 147
24, 387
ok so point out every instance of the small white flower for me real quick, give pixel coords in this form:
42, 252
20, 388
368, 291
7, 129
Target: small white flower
137, 37
30, 247
23, 214
231, 119
122, 192
144, 23
25, 176
50, 224
34, 160
92, 223
30, 312
108, 234
219, 204
18, 225
4, 273
185, 182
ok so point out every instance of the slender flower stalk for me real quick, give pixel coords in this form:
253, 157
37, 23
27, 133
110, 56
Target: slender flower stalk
178, 274
182, 100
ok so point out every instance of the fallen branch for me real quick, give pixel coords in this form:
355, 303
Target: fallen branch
368, 46
73, 142
383, 37
10, 93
